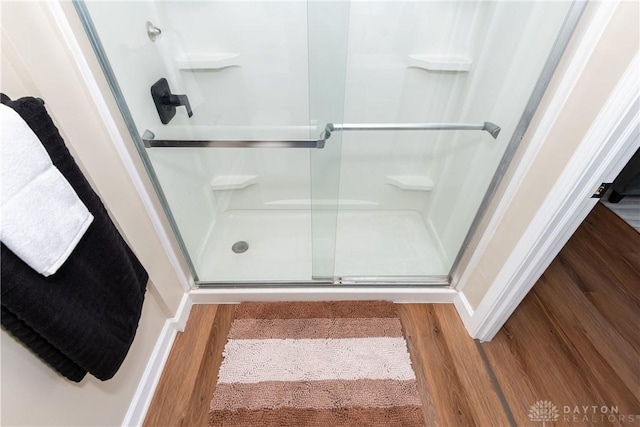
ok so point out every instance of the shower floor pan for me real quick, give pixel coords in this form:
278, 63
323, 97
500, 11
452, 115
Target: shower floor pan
367, 243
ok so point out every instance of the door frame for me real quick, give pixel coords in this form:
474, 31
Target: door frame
603, 152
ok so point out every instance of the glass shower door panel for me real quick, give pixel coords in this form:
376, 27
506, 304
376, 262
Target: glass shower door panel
408, 197
242, 212
328, 32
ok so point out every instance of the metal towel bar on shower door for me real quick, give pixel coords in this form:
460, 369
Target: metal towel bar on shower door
148, 138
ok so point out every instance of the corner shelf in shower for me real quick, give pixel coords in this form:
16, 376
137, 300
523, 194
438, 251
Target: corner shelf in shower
216, 61
411, 182
460, 64
232, 182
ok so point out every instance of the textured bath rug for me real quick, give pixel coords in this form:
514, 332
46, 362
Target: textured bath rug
316, 364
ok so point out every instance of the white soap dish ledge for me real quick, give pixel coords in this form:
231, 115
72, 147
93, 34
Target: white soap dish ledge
232, 182
459, 64
215, 61
411, 182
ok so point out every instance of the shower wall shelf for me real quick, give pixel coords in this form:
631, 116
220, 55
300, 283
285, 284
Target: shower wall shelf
148, 138
232, 182
411, 182
208, 62
459, 64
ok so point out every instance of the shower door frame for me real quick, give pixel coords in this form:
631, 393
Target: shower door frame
572, 18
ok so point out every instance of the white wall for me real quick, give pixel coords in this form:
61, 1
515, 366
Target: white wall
36, 61
268, 86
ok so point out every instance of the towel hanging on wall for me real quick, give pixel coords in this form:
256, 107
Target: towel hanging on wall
42, 217
84, 317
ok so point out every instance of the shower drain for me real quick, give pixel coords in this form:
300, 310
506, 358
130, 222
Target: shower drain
240, 247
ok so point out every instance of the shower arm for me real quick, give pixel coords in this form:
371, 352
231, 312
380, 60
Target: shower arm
149, 141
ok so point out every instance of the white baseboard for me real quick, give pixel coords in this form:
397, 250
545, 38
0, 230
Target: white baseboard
465, 311
184, 310
399, 295
151, 376
142, 399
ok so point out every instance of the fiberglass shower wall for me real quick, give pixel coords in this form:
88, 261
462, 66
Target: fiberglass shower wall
404, 201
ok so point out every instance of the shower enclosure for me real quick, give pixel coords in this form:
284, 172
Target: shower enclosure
326, 141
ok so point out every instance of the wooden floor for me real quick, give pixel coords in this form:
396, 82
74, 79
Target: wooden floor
189, 378
574, 341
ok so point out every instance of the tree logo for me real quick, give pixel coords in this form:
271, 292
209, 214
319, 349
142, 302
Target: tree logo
544, 411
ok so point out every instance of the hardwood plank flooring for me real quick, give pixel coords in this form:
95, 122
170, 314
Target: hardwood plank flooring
189, 377
449, 368
574, 341
208, 372
412, 316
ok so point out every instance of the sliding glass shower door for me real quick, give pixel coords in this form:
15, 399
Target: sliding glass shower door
230, 101
326, 142
435, 94
328, 35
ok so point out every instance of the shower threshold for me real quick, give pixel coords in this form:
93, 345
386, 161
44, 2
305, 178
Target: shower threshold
371, 247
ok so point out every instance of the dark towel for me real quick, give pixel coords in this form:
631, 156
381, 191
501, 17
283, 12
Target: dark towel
84, 317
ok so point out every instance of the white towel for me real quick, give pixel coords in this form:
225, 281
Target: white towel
42, 218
